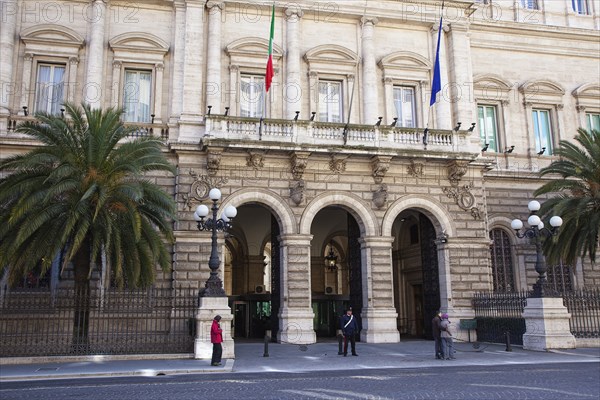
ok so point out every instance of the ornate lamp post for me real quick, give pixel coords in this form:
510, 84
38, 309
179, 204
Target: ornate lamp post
331, 259
214, 285
535, 232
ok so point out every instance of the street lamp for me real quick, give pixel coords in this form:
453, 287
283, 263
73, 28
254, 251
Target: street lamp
214, 285
331, 259
535, 232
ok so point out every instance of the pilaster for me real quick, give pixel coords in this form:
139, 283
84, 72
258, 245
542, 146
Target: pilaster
443, 111
94, 77
461, 73
214, 85
292, 91
369, 81
9, 13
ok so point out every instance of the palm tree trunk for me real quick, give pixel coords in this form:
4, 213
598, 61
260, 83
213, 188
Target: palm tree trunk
81, 267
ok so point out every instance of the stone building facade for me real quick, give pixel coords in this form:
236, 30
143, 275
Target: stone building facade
343, 197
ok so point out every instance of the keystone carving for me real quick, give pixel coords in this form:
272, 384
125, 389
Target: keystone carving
456, 170
380, 196
380, 165
337, 166
298, 160
297, 191
255, 160
415, 169
213, 161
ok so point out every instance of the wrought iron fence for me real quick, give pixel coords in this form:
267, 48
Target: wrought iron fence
498, 313
96, 321
584, 307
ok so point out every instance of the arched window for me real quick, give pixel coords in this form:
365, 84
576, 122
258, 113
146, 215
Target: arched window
502, 261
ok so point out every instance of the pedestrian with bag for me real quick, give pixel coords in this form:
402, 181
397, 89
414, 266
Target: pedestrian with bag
349, 328
216, 338
447, 338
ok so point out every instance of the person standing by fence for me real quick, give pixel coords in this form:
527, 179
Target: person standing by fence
216, 338
447, 335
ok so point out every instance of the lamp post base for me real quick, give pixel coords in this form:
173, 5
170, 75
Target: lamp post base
547, 325
208, 309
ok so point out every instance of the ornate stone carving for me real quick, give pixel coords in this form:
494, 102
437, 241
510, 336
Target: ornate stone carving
456, 170
293, 12
200, 188
461, 195
297, 191
380, 196
218, 5
337, 166
380, 165
369, 20
580, 108
255, 160
560, 106
213, 160
415, 169
298, 161
159, 66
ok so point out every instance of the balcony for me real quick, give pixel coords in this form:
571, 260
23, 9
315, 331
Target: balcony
352, 137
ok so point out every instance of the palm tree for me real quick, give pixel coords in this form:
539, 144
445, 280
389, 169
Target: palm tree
577, 200
84, 193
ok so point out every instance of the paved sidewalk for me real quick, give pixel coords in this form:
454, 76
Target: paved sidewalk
297, 359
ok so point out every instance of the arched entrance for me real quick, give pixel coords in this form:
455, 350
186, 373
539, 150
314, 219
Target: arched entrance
415, 273
336, 269
252, 270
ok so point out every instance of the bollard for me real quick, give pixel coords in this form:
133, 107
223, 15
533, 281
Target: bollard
340, 339
508, 348
267, 339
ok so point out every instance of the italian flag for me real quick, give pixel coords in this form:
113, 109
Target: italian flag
269, 74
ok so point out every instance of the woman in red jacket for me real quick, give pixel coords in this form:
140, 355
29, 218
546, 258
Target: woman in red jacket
216, 338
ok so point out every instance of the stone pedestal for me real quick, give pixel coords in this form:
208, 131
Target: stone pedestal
209, 307
379, 326
547, 325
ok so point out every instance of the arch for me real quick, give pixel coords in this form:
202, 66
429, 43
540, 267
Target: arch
50, 33
276, 204
588, 90
139, 41
542, 86
504, 223
491, 81
252, 47
441, 220
331, 53
405, 60
355, 205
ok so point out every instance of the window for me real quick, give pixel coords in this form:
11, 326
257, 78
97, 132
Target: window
252, 96
50, 84
488, 127
330, 101
559, 277
580, 6
542, 131
530, 4
136, 95
502, 264
593, 121
404, 102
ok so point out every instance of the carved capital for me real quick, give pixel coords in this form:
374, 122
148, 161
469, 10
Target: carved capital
504, 102
159, 66
216, 5
294, 13
456, 170
117, 64
73, 60
28, 57
213, 160
369, 20
379, 166
234, 68
388, 80
298, 161
350, 77
560, 107
580, 108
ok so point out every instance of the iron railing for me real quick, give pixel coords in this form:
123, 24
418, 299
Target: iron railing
96, 321
498, 313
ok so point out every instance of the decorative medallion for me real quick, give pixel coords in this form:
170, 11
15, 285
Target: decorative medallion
255, 160
415, 169
380, 196
200, 188
337, 166
461, 195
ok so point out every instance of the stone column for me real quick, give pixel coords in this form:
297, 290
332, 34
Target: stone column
461, 75
94, 77
214, 87
547, 325
296, 316
191, 115
379, 317
443, 112
158, 92
72, 85
116, 83
313, 90
292, 93
178, 60
26, 82
390, 107
10, 10
369, 73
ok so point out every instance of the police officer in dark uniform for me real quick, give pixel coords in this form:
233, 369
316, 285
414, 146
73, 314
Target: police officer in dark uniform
349, 328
